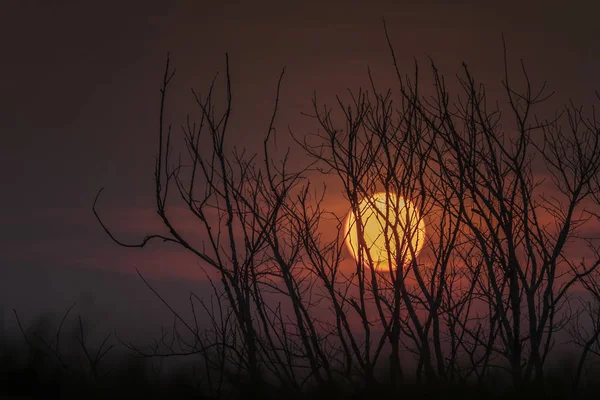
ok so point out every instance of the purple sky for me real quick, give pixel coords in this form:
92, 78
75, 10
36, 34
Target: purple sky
80, 96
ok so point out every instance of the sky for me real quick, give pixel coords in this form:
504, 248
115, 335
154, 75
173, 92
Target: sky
80, 87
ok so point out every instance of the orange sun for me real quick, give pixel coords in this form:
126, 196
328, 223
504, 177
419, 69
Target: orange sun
389, 222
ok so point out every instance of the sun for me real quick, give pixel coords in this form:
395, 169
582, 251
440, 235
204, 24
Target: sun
390, 219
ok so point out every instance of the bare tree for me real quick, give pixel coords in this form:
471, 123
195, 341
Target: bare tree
490, 289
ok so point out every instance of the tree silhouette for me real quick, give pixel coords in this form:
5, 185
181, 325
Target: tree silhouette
504, 192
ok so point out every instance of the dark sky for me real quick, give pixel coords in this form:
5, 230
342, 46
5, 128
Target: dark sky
80, 82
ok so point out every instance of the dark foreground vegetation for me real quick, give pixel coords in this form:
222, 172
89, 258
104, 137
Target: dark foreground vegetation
35, 367
57, 360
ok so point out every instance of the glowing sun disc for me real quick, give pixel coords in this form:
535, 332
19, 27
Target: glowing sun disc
403, 224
